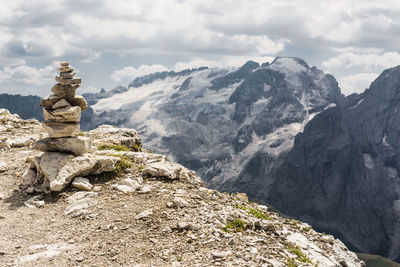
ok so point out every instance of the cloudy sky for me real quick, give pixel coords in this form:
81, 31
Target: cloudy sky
110, 42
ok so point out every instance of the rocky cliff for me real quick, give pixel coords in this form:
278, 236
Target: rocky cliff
219, 122
344, 170
147, 212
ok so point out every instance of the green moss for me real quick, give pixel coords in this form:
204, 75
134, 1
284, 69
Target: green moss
291, 263
294, 249
122, 165
113, 147
137, 148
179, 259
307, 228
237, 225
80, 134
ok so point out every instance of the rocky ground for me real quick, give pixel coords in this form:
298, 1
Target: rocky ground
151, 212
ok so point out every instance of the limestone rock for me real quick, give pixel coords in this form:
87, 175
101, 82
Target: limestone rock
77, 100
65, 81
113, 135
128, 185
163, 169
65, 69
67, 91
3, 166
144, 214
19, 142
75, 145
61, 104
66, 114
82, 183
58, 129
34, 202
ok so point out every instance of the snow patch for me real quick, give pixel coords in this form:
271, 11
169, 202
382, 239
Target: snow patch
368, 161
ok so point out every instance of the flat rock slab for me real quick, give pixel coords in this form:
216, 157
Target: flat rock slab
59, 129
77, 100
66, 114
59, 169
107, 134
76, 145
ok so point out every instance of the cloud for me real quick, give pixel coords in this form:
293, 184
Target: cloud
29, 75
356, 83
129, 73
364, 61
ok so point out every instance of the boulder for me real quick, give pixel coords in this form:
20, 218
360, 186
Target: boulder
75, 145
58, 129
66, 114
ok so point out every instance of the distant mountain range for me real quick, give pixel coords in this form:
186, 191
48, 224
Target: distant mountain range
281, 132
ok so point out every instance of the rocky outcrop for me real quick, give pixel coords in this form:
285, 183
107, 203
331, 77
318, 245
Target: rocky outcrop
152, 211
342, 175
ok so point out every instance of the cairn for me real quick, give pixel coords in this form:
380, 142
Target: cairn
62, 114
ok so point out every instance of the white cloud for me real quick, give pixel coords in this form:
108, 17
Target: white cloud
23, 74
365, 61
356, 83
129, 73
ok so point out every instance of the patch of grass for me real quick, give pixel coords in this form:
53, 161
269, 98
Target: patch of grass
294, 249
258, 214
255, 212
137, 148
80, 134
307, 229
235, 226
179, 259
291, 263
122, 165
113, 147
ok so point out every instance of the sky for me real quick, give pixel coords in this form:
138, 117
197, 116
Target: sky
109, 43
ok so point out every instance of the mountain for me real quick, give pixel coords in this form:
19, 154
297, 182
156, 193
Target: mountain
342, 174
216, 121
149, 211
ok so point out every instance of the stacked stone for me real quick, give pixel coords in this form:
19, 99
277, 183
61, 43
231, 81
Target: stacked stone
62, 114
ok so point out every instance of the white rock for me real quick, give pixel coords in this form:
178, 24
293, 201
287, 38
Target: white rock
19, 142
144, 214
80, 195
1, 196
145, 189
115, 135
221, 254
162, 169
127, 185
3, 166
34, 202
81, 204
188, 226
29, 177
253, 250
180, 202
82, 183
96, 188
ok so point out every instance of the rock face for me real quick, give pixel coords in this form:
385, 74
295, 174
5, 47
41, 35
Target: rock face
342, 175
219, 122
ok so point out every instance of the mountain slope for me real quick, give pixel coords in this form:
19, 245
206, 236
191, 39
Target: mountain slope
216, 120
344, 170
166, 218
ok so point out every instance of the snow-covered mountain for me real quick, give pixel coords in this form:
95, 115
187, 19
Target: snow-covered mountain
217, 121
